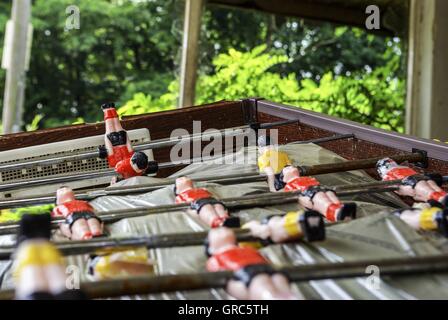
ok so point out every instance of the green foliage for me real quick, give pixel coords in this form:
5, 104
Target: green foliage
16, 214
122, 47
128, 51
374, 98
34, 125
141, 103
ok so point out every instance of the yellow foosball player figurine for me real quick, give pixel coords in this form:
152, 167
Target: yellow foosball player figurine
426, 217
135, 262
270, 159
40, 271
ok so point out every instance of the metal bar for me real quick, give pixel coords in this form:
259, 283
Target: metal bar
155, 144
326, 139
436, 150
28, 183
356, 164
278, 123
231, 179
403, 266
115, 215
186, 239
236, 203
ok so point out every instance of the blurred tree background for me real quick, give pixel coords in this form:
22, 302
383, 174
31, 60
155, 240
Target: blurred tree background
129, 52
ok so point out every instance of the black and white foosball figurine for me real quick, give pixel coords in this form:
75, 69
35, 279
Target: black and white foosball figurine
209, 209
118, 149
254, 278
39, 270
420, 187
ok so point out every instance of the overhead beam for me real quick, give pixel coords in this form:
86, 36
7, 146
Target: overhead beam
347, 12
190, 48
427, 98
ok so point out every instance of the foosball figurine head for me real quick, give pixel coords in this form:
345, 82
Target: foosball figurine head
64, 194
287, 173
139, 161
183, 184
220, 239
384, 165
34, 227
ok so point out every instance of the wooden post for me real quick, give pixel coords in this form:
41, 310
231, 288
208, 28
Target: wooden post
192, 28
427, 94
14, 61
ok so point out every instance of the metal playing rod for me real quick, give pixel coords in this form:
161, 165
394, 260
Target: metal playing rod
28, 183
116, 215
110, 191
305, 170
251, 201
155, 144
326, 139
404, 266
186, 239
356, 164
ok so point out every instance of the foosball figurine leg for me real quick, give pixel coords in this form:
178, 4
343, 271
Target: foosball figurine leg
115, 134
260, 282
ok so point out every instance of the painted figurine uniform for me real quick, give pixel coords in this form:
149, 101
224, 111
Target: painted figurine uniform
428, 219
198, 198
245, 262
235, 259
192, 195
301, 184
253, 275
209, 209
302, 224
122, 156
125, 169
310, 186
313, 195
389, 170
39, 270
74, 210
275, 159
120, 264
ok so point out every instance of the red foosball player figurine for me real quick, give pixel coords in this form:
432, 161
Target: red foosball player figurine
419, 187
118, 149
81, 223
210, 210
39, 270
314, 196
302, 224
254, 277
429, 218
